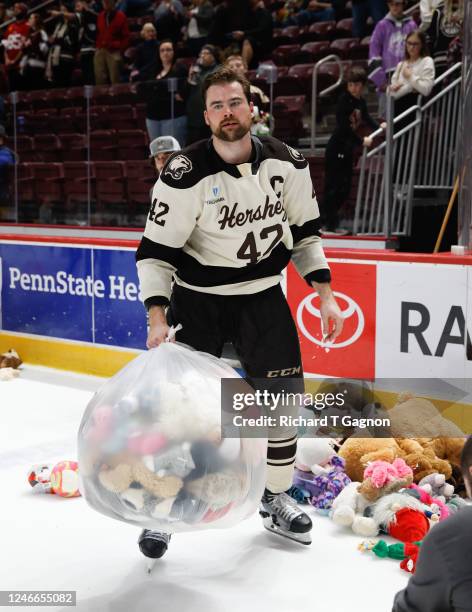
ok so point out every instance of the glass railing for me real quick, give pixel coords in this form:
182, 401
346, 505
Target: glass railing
82, 153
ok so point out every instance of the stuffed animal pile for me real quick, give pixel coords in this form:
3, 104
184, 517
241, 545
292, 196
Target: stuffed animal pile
151, 450
399, 486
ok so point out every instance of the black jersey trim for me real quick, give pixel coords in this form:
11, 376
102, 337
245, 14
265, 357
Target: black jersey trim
156, 300
319, 276
192, 272
153, 250
276, 149
201, 160
308, 229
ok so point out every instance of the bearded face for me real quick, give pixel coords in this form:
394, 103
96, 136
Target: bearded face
228, 113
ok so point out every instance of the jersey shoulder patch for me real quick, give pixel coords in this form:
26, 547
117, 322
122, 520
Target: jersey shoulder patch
187, 167
178, 166
276, 149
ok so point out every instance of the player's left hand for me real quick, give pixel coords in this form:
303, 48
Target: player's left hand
332, 320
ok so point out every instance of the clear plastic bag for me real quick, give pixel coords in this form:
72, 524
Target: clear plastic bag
151, 451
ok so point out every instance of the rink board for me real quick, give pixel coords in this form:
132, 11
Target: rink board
73, 303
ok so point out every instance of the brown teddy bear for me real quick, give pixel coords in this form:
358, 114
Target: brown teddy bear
10, 359
421, 436
119, 479
358, 452
417, 417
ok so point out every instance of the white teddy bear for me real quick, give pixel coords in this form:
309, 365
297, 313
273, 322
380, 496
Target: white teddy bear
348, 509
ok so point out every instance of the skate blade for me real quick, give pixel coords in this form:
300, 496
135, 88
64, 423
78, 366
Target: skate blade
300, 538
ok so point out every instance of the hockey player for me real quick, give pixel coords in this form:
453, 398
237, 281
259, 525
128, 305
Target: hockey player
227, 215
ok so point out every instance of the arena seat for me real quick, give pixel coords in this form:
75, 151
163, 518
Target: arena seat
48, 146
281, 55
131, 144
323, 30
103, 145
344, 28
74, 147
316, 50
347, 48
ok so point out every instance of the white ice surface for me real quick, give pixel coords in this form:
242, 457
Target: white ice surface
50, 543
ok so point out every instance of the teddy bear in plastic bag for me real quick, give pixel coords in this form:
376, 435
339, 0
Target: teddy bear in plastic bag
151, 451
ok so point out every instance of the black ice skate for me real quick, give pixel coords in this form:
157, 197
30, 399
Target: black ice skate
153, 545
281, 515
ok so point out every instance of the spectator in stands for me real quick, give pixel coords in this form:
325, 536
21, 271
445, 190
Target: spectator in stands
64, 45
147, 54
248, 33
133, 6
207, 63
238, 65
87, 39
158, 98
200, 16
362, 10
256, 39
15, 38
260, 116
7, 161
414, 75
312, 11
446, 24
387, 48
112, 41
169, 17
35, 53
427, 8
231, 19
443, 576
351, 115
161, 149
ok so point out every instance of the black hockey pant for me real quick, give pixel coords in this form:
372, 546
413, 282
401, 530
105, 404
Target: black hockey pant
263, 333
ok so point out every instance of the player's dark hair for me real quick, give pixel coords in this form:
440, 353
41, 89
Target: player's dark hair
356, 74
466, 460
224, 76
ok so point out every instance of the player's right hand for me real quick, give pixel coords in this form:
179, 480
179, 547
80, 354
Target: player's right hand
158, 328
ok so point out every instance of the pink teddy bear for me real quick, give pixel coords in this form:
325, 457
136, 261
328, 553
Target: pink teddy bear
382, 473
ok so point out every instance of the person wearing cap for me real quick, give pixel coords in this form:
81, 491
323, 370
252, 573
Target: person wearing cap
161, 149
207, 63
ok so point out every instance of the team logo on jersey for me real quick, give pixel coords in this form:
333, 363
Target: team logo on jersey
297, 156
178, 166
215, 196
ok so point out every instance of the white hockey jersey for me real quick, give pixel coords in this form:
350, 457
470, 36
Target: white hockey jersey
230, 229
